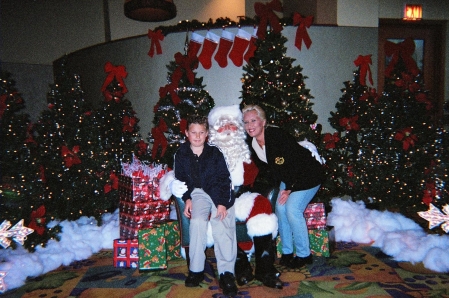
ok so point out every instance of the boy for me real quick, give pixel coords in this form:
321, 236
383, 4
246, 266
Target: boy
202, 169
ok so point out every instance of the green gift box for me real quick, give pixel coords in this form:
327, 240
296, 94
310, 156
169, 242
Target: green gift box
318, 241
172, 240
152, 248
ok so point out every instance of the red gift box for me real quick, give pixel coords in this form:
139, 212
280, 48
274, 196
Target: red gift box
126, 253
315, 216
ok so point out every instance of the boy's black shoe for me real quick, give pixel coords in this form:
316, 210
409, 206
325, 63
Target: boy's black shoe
227, 284
194, 279
286, 260
299, 262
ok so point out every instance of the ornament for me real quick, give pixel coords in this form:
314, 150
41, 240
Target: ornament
18, 233
435, 217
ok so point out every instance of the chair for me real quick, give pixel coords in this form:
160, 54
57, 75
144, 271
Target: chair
241, 230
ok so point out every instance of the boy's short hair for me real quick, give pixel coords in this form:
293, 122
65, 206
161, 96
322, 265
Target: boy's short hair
197, 119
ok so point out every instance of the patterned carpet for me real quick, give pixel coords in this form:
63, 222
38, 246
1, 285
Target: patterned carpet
352, 270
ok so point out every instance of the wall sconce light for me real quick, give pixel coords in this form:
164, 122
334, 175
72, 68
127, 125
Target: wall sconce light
150, 10
412, 12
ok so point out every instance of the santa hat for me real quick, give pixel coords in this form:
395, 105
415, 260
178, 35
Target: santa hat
232, 111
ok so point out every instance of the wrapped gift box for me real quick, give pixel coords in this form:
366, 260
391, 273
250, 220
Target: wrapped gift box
318, 242
145, 207
315, 216
173, 240
126, 253
152, 248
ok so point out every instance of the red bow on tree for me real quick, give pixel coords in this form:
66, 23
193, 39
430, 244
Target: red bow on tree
266, 14
363, 62
37, 220
70, 157
141, 147
301, 32
187, 64
330, 140
114, 72
405, 135
159, 138
170, 88
402, 50
350, 123
155, 37
113, 183
128, 123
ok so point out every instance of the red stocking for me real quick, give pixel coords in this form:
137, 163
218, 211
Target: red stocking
224, 47
252, 46
241, 42
195, 43
209, 46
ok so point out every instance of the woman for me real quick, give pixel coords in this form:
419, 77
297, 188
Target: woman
299, 175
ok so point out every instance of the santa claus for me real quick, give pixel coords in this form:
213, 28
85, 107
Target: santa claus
226, 131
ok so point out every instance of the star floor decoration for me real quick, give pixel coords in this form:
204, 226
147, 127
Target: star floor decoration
18, 233
435, 217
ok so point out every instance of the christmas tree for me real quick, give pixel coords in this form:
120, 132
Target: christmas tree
183, 95
22, 182
272, 82
390, 153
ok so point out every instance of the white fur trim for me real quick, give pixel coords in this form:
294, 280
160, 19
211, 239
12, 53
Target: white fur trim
244, 204
210, 238
237, 174
212, 37
164, 185
232, 111
197, 38
263, 224
227, 35
243, 34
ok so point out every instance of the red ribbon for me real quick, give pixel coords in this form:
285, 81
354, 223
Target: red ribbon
266, 14
70, 157
301, 32
350, 123
155, 38
128, 123
405, 135
170, 88
37, 220
159, 138
402, 50
114, 72
182, 125
113, 185
187, 64
330, 140
363, 62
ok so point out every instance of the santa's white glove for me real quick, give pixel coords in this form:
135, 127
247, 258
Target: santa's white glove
178, 188
164, 185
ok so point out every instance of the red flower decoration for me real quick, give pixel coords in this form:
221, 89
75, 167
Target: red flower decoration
70, 157
37, 220
129, 123
408, 139
113, 183
422, 98
330, 140
142, 147
350, 123
429, 193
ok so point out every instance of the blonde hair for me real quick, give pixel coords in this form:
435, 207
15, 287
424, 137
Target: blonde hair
260, 112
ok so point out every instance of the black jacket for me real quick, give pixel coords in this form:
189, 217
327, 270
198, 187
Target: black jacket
288, 161
214, 174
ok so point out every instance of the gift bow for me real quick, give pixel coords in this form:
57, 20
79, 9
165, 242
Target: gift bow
170, 88
159, 138
405, 135
70, 157
402, 50
363, 62
117, 72
188, 64
155, 37
435, 217
37, 220
266, 14
113, 185
301, 32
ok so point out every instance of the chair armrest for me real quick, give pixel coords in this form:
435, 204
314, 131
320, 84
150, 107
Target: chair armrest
272, 195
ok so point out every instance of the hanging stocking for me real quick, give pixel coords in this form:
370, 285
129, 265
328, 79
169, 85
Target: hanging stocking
209, 45
241, 42
252, 46
195, 43
224, 47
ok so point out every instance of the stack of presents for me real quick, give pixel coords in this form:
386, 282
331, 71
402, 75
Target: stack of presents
148, 238
315, 216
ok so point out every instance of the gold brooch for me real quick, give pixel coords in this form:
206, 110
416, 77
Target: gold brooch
279, 160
